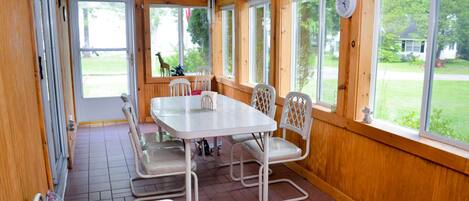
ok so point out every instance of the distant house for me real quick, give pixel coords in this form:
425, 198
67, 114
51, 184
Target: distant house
410, 45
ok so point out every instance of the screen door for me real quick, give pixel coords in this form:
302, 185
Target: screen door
103, 58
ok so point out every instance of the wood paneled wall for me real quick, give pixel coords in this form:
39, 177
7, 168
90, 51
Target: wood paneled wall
350, 166
24, 169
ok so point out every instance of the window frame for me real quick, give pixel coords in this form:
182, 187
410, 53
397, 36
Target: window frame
180, 33
430, 54
321, 44
225, 9
254, 4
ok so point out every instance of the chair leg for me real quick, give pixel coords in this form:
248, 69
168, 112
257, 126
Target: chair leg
301, 190
156, 194
242, 178
260, 182
196, 186
232, 163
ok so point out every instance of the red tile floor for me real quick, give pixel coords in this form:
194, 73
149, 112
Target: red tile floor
104, 164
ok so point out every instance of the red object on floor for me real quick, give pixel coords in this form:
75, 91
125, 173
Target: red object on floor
196, 92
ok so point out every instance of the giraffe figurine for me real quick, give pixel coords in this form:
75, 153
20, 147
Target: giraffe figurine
164, 67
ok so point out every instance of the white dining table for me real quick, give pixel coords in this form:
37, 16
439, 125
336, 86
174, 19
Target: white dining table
184, 118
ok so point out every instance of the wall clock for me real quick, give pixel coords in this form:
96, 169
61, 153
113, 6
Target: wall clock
345, 8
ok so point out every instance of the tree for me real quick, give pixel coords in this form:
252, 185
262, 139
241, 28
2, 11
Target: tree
453, 20
89, 10
462, 25
308, 29
397, 17
308, 37
198, 28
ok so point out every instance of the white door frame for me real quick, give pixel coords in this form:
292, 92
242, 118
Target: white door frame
51, 90
103, 108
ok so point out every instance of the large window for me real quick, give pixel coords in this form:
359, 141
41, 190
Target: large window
228, 41
259, 41
315, 48
181, 37
423, 84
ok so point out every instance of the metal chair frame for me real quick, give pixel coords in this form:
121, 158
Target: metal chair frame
138, 157
263, 99
163, 136
296, 117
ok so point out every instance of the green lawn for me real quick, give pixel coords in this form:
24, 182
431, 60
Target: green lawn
453, 67
395, 99
105, 63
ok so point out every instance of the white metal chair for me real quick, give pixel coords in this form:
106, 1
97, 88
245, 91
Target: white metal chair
263, 99
38, 197
180, 87
156, 162
203, 83
152, 137
296, 117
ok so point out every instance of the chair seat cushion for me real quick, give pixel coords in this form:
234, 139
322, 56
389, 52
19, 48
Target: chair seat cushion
196, 92
153, 140
165, 161
279, 149
243, 137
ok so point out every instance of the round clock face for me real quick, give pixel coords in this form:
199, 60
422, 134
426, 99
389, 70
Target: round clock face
345, 8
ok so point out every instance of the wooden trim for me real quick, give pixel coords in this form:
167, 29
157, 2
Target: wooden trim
217, 42
159, 80
319, 183
225, 2
344, 67
147, 43
273, 41
284, 50
100, 123
178, 2
361, 37
140, 57
242, 41
225, 81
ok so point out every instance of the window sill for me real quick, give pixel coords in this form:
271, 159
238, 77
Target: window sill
164, 80
226, 80
409, 141
413, 135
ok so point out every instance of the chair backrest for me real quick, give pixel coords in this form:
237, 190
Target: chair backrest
134, 132
126, 99
263, 99
180, 87
296, 114
203, 82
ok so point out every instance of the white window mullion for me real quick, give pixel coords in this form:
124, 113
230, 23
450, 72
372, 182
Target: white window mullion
429, 63
233, 53
294, 43
181, 36
252, 45
375, 59
224, 39
265, 53
322, 35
